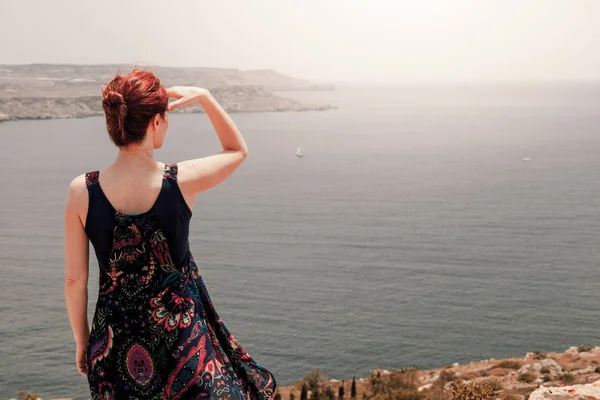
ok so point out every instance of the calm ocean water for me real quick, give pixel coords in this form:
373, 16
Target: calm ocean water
411, 233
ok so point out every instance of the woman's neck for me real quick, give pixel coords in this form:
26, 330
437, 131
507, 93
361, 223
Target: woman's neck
135, 156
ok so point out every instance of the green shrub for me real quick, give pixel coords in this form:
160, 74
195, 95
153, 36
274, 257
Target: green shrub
546, 378
493, 383
597, 370
539, 355
304, 392
583, 349
329, 393
315, 378
508, 364
404, 381
405, 378
404, 394
341, 391
316, 394
526, 377
447, 376
567, 377
377, 383
545, 370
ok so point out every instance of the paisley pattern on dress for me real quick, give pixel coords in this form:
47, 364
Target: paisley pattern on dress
139, 365
155, 333
100, 349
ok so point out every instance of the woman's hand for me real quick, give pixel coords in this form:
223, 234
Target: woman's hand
80, 358
185, 95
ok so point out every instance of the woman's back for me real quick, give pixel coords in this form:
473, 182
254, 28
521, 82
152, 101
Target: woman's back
168, 206
155, 333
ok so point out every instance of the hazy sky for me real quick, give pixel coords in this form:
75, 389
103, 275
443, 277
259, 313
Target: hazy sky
322, 40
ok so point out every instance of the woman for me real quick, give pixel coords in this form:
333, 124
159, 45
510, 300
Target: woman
155, 333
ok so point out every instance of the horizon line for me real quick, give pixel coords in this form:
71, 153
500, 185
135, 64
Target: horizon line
344, 82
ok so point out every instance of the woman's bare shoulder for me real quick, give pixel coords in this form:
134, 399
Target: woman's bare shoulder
77, 195
78, 184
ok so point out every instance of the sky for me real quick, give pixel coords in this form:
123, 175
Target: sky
320, 40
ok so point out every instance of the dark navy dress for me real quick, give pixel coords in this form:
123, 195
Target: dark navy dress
155, 333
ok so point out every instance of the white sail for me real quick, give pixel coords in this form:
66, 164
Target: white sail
299, 152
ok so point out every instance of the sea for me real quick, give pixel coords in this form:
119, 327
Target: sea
426, 224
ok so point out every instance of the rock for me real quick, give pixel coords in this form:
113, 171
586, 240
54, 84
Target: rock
592, 353
427, 386
530, 368
455, 365
534, 355
334, 380
590, 391
582, 371
572, 351
433, 378
536, 368
551, 364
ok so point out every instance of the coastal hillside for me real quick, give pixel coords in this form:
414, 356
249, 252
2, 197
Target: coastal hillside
573, 374
40, 91
509, 379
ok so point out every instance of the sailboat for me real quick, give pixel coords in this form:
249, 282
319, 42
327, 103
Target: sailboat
299, 152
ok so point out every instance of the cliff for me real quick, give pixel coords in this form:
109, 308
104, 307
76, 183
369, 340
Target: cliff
591, 391
550, 374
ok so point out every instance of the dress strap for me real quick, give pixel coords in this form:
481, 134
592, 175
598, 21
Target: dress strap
173, 191
170, 171
91, 178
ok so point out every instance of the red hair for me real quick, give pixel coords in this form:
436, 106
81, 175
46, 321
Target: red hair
130, 102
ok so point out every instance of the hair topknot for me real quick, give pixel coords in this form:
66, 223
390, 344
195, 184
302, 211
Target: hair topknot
130, 102
113, 99
115, 108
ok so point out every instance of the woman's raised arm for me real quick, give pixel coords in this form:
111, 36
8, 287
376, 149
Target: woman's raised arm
199, 174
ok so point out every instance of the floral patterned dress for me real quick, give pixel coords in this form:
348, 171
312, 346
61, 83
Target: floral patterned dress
155, 333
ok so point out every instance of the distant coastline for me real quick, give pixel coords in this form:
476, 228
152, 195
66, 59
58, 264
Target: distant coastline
49, 91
